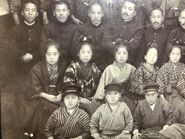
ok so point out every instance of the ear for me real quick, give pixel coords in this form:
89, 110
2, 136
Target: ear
54, 13
22, 13
145, 57
179, 19
68, 11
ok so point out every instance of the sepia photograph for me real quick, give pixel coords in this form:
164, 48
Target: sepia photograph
92, 69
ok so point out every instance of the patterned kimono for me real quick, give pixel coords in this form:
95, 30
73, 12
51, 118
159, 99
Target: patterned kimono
47, 79
149, 122
62, 125
181, 83
115, 74
142, 76
110, 123
167, 78
86, 77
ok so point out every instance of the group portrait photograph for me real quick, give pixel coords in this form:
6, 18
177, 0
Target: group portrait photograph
92, 69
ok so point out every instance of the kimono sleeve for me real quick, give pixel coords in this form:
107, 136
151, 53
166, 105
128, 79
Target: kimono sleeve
84, 124
35, 78
181, 84
105, 79
162, 74
70, 75
167, 111
94, 122
51, 125
137, 117
128, 119
137, 82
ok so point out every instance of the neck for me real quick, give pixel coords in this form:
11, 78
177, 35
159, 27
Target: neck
114, 104
150, 66
121, 64
29, 24
70, 111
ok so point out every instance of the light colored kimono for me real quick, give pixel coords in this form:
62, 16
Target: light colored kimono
110, 123
114, 74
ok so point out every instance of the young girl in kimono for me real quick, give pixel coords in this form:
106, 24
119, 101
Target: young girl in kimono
168, 76
119, 72
112, 120
83, 73
146, 72
68, 122
46, 80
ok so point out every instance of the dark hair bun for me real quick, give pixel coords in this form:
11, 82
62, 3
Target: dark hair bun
152, 44
119, 41
84, 38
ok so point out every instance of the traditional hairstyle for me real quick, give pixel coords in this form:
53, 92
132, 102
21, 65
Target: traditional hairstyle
118, 44
50, 43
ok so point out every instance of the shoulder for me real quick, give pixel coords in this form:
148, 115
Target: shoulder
131, 67
83, 114
38, 66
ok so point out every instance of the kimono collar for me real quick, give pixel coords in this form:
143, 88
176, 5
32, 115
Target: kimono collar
84, 65
28, 24
149, 70
176, 64
75, 109
116, 64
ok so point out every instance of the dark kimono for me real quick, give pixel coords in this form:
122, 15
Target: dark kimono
167, 78
62, 125
100, 54
142, 76
149, 122
86, 77
43, 79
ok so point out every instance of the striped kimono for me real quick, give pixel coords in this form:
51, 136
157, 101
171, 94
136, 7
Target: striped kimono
167, 78
110, 123
62, 125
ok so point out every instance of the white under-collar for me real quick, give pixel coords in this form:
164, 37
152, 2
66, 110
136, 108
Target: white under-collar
29, 24
152, 106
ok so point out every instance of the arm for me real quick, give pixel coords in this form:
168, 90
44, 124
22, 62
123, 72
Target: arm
181, 84
84, 124
128, 119
51, 125
94, 124
168, 113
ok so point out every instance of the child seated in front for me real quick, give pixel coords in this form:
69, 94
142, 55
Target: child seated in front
112, 120
68, 122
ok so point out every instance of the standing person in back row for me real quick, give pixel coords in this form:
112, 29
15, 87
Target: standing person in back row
128, 28
61, 29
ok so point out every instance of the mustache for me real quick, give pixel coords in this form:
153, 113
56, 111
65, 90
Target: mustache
125, 14
155, 22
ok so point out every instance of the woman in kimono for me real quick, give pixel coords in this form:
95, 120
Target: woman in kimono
83, 73
168, 76
146, 72
46, 80
119, 72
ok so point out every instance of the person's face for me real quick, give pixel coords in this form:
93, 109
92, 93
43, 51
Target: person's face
121, 55
85, 53
71, 101
52, 55
61, 12
151, 97
95, 14
156, 18
175, 55
113, 97
182, 19
30, 12
151, 56
128, 10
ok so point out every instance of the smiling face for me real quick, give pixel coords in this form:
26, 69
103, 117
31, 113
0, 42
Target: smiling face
52, 55
156, 18
61, 12
96, 14
71, 101
85, 53
175, 55
151, 56
121, 55
128, 10
30, 12
112, 97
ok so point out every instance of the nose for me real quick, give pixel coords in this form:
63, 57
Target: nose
30, 12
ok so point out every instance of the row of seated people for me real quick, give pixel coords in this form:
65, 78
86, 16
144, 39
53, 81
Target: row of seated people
91, 59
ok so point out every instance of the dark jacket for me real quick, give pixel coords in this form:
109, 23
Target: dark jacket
61, 33
131, 32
